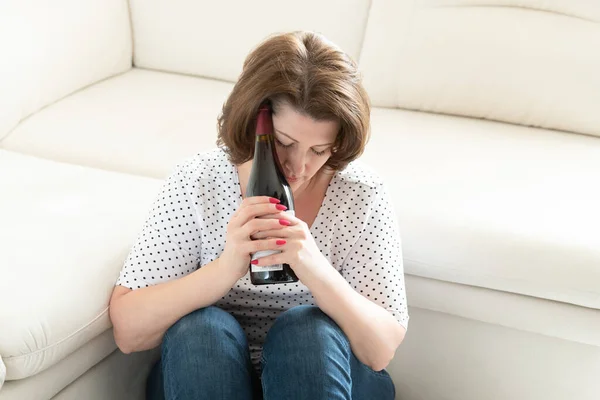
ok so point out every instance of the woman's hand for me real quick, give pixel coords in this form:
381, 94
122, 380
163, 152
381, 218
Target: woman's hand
300, 250
243, 225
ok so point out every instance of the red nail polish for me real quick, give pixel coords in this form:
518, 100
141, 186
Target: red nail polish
280, 242
274, 201
254, 262
281, 207
284, 222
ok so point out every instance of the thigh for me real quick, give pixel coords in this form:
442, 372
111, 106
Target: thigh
306, 356
205, 355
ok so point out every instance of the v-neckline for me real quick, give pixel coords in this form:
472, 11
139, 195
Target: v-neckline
320, 213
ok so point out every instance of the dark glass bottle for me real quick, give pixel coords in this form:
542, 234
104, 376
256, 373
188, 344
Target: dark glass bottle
267, 179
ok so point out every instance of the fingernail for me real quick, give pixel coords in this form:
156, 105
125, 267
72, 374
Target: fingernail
284, 222
274, 201
281, 207
280, 242
254, 262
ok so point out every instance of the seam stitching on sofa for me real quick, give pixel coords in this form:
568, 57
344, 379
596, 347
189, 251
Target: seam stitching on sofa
502, 324
465, 272
60, 341
364, 34
525, 8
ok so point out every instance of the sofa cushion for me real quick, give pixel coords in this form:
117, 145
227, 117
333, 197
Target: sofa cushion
141, 122
212, 39
116, 377
65, 233
493, 205
49, 382
458, 57
51, 49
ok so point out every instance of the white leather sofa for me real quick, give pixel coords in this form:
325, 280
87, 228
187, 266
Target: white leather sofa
486, 124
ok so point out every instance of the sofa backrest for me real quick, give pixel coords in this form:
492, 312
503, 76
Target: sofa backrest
212, 38
528, 62
49, 50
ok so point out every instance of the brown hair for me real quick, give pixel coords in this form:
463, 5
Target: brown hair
315, 77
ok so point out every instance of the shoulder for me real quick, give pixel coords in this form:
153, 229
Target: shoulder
204, 166
357, 187
360, 173
362, 186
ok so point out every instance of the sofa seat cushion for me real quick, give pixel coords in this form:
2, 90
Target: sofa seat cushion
65, 232
141, 122
494, 205
49, 382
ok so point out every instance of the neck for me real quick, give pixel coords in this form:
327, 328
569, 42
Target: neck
305, 188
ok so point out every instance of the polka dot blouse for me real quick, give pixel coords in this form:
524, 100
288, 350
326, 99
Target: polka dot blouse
355, 229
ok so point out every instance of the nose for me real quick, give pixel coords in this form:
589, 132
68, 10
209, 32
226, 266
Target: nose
295, 165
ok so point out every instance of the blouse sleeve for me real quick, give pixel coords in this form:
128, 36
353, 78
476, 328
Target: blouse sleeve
169, 244
374, 265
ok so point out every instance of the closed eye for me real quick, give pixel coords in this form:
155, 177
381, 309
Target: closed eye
286, 146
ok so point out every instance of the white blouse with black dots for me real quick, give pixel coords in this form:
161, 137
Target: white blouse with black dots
356, 230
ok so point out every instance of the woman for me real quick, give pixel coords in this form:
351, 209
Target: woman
185, 285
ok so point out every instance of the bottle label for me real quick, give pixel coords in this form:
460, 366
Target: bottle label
265, 253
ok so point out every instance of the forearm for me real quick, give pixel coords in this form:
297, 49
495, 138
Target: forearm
141, 317
373, 332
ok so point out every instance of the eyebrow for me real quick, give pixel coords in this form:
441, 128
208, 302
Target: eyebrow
291, 138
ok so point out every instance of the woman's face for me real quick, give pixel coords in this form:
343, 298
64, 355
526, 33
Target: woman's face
303, 144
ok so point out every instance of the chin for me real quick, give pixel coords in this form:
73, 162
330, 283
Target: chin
296, 186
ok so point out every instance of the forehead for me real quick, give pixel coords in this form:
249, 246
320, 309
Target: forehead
303, 128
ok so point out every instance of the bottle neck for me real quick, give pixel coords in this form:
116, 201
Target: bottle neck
263, 148
264, 142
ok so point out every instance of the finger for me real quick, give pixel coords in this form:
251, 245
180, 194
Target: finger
259, 225
291, 218
269, 260
263, 209
272, 216
248, 201
253, 200
252, 211
266, 244
280, 233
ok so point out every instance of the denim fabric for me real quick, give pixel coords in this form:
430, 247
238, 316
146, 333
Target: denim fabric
305, 356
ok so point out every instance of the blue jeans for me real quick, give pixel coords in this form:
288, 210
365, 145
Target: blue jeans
305, 356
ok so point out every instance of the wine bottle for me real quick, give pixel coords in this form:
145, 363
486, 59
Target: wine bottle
267, 179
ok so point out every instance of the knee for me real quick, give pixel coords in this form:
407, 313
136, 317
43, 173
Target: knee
308, 318
204, 325
308, 329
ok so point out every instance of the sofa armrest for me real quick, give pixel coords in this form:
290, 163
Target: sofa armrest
2, 372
